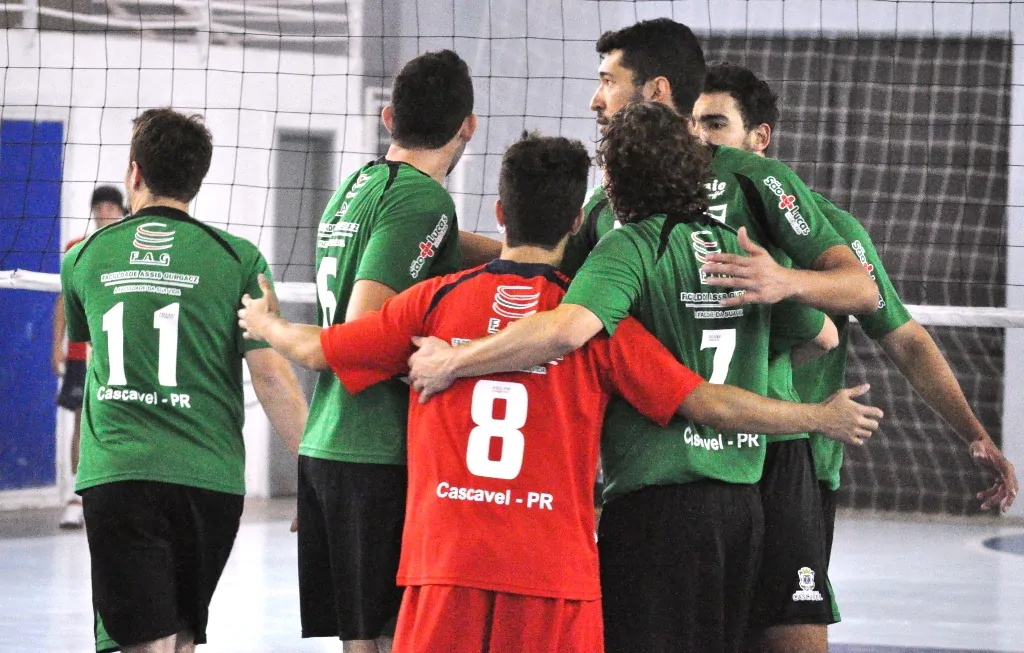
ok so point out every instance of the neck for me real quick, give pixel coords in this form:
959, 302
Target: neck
533, 254
433, 163
144, 200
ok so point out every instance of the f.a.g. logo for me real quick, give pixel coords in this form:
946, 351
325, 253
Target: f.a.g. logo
150, 238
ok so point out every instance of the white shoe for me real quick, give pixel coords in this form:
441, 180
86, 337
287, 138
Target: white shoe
73, 516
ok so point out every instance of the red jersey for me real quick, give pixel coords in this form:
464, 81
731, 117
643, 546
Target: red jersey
77, 351
501, 469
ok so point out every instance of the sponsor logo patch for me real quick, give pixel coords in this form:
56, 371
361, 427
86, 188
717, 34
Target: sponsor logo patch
428, 246
715, 189
788, 204
858, 249
152, 237
704, 245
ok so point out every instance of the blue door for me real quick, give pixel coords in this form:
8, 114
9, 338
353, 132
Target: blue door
30, 182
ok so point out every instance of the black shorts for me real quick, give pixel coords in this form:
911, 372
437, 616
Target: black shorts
157, 552
678, 566
793, 587
350, 535
72, 387
829, 500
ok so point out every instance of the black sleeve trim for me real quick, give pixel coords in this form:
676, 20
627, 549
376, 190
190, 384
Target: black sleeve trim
590, 225
758, 211
673, 221
446, 289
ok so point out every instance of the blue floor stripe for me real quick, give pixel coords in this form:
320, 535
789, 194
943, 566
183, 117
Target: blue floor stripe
1007, 543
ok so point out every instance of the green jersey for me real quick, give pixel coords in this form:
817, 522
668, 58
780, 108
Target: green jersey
744, 190
156, 294
389, 223
820, 378
652, 270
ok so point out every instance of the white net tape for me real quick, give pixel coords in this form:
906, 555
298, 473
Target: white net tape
959, 316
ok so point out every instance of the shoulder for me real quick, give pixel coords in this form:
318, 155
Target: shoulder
843, 221
595, 196
430, 195
748, 164
243, 248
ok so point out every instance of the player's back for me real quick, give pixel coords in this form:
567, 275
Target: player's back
164, 396
390, 223
501, 468
723, 345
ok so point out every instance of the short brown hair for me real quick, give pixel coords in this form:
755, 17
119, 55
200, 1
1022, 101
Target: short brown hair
431, 97
654, 165
173, 151
542, 184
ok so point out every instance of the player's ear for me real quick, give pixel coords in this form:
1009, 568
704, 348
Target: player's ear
762, 138
499, 213
387, 114
468, 128
659, 90
133, 177
577, 224
499, 216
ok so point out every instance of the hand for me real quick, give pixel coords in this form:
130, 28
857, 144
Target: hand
762, 279
256, 314
1004, 490
429, 367
294, 528
57, 359
850, 422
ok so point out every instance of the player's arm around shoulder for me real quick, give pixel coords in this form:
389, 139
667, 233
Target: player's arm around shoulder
730, 408
831, 280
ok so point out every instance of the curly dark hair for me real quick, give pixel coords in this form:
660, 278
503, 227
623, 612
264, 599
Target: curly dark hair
431, 97
542, 185
660, 48
173, 151
653, 164
757, 102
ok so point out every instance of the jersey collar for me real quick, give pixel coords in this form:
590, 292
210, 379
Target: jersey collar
528, 270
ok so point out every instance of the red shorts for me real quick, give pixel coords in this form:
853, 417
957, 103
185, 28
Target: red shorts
453, 619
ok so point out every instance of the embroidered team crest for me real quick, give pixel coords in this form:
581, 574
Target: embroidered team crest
152, 237
807, 591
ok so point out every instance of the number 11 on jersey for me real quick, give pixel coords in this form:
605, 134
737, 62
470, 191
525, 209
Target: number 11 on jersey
165, 321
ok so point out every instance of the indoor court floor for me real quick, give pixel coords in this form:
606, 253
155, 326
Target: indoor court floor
903, 586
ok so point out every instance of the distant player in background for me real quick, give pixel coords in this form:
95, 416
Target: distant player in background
107, 207
389, 225
499, 553
162, 473
738, 109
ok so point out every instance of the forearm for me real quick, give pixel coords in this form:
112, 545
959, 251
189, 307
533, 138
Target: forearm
534, 340
917, 356
478, 249
299, 343
839, 291
59, 324
729, 408
279, 394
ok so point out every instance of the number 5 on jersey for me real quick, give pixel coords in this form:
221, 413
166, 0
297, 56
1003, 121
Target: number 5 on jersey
486, 396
